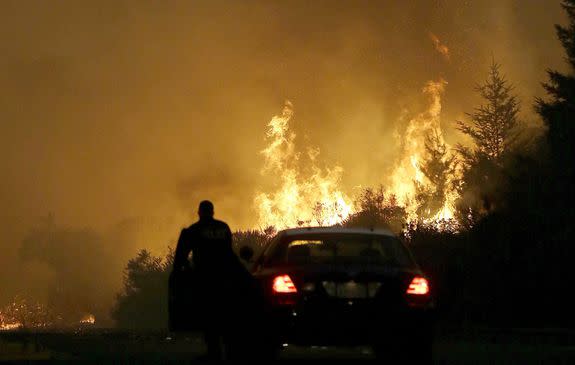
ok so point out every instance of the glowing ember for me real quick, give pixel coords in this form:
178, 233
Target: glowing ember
10, 326
23, 313
88, 319
439, 46
300, 196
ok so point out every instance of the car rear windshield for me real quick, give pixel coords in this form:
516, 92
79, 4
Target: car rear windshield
341, 248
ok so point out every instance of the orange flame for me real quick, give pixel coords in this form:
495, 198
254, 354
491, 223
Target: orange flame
300, 196
304, 194
408, 172
9, 326
88, 319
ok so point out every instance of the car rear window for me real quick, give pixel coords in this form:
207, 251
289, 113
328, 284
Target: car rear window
341, 248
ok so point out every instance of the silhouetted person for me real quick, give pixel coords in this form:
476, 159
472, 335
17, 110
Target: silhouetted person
218, 282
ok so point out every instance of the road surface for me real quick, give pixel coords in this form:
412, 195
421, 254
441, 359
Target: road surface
109, 346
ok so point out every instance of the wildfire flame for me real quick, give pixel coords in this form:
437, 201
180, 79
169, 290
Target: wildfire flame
7, 321
301, 196
24, 313
88, 319
6, 325
303, 193
408, 172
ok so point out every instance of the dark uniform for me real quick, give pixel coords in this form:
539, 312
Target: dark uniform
209, 294
210, 240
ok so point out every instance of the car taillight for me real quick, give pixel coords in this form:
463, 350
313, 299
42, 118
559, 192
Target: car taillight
283, 284
418, 286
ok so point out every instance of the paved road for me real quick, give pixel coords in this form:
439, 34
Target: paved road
105, 348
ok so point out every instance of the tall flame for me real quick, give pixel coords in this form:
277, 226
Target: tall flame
408, 173
303, 193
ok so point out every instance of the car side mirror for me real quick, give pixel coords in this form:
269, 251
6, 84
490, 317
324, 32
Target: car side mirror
246, 253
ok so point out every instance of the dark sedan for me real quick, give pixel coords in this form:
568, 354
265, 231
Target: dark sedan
339, 286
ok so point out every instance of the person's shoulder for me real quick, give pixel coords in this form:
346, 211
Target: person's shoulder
190, 228
221, 223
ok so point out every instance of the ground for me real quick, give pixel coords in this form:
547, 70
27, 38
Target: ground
111, 346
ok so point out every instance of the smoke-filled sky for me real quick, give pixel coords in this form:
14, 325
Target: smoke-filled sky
132, 111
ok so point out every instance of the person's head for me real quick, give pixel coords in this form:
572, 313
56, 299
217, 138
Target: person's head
206, 209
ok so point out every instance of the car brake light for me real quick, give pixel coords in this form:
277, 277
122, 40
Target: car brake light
283, 284
418, 286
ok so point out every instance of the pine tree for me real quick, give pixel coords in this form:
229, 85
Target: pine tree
528, 239
494, 128
559, 112
438, 168
493, 124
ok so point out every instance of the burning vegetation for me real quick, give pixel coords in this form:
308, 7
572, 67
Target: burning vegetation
24, 313
432, 184
423, 179
422, 183
302, 193
88, 319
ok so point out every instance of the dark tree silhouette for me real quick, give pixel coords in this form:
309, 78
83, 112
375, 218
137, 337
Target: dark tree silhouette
143, 302
494, 128
439, 169
492, 125
558, 113
377, 210
519, 256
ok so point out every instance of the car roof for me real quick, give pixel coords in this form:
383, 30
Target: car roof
335, 230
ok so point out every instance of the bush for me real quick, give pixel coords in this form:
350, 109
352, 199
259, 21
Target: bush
143, 303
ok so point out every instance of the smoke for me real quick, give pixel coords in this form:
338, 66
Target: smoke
121, 111
79, 264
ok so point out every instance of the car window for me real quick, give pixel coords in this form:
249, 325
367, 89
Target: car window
267, 252
342, 248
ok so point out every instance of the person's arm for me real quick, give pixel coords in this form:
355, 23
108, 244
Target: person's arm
182, 251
